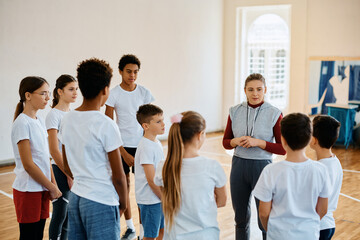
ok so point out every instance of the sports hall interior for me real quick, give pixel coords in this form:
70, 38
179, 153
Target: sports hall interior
195, 55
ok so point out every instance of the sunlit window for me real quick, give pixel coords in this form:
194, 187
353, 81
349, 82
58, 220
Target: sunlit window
267, 51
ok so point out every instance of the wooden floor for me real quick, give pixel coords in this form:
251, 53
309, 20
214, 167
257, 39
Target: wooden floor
347, 215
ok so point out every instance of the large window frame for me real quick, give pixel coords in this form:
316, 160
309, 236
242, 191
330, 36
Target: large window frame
265, 52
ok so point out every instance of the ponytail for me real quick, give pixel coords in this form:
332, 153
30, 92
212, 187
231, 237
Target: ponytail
171, 194
181, 132
56, 98
19, 109
61, 82
28, 84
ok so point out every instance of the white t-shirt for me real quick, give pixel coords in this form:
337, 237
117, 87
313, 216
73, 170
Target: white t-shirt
148, 152
294, 189
52, 121
198, 211
25, 127
126, 104
336, 175
88, 136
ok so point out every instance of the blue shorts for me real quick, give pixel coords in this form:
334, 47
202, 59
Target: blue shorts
152, 219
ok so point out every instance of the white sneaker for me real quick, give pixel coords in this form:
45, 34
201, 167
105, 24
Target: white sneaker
129, 234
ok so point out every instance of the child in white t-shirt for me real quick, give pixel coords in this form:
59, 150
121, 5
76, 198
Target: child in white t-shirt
34, 184
126, 99
293, 193
325, 134
148, 154
91, 155
193, 187
65, 92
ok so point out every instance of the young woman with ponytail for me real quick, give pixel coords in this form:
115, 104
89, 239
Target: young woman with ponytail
34, 184
65, 92
193, 187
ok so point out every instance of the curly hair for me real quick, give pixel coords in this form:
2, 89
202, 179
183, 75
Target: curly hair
128, 59
93, 76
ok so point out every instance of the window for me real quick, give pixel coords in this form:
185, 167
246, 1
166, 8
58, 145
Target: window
262, 45
266, 51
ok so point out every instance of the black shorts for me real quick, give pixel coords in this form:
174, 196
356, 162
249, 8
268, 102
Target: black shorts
126, 167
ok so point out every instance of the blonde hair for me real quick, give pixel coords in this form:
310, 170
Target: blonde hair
181, 132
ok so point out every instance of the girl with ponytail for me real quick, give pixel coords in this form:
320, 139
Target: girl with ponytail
34, 184
65, 92
192, 186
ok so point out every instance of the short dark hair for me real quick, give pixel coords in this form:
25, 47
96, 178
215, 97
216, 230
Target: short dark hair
326, 130
128, 59
93, 76
146, 112
296, 129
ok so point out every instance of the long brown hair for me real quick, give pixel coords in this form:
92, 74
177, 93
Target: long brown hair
180, 133
61, 82
28, 84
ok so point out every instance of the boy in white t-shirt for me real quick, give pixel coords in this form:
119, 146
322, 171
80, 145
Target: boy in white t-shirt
126, 99
149, 153
91, 155
325, 134
293, 193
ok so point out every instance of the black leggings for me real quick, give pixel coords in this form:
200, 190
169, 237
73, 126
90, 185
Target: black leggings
58, 228
243, 178
32, 231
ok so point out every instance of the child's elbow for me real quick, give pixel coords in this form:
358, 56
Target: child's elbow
28, 166
119, 180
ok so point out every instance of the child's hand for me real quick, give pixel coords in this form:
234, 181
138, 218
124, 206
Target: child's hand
122, 209
128, 159
55, 193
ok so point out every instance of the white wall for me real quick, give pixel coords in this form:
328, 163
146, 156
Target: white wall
178, 42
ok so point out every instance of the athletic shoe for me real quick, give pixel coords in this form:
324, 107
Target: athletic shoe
129, 234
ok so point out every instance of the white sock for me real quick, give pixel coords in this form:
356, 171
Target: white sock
130, 224
141, 235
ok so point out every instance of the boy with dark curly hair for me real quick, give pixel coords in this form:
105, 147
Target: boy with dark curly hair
91, 155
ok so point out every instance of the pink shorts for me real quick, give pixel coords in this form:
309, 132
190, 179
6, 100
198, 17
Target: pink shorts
30, 207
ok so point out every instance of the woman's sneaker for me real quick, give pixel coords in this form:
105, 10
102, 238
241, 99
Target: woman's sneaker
129, 234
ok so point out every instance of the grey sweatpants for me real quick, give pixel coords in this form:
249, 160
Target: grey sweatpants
243, 178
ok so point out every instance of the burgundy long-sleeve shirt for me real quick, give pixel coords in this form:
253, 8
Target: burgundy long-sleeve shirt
271, 147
